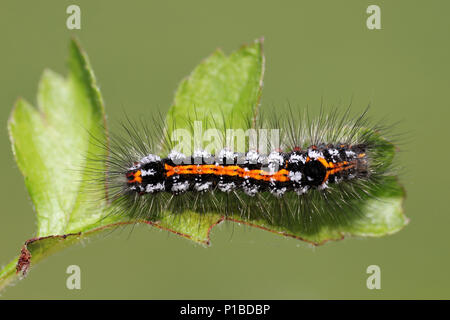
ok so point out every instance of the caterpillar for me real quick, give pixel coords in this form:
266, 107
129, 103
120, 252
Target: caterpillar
297, 171
318, 171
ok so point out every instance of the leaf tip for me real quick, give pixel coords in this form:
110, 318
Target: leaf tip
20, 105
75, 44
259, 41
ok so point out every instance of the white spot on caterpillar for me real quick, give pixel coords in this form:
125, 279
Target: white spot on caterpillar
202, 186
275, 157
251, 191
201, 154
176, 157
275, 160
350, 154
278, 192
295, 158
333, 152
314, 154
149, 172
150, 158
226, 187
227, 154
295, 176
180, 186
249, 188
251, 157
302, 190
151, 188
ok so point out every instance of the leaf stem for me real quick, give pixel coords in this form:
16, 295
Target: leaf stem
8, 274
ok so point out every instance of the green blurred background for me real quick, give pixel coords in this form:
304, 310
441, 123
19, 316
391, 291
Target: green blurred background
140, 50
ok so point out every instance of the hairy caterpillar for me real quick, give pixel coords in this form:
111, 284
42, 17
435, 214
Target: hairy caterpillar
318, 171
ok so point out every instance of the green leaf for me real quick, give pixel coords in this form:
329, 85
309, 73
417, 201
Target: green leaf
50, 144
224, 88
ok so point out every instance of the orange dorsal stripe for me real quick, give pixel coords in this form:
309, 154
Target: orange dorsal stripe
281, 175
